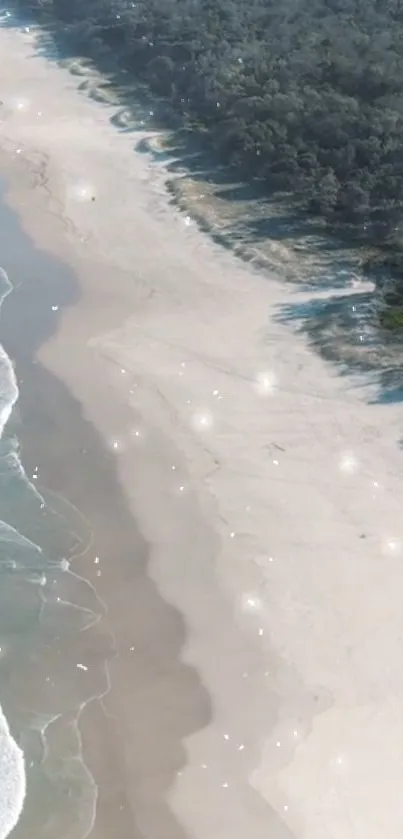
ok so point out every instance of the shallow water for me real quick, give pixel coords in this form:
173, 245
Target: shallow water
46, 614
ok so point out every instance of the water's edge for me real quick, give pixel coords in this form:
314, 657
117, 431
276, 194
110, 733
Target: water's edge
53, 434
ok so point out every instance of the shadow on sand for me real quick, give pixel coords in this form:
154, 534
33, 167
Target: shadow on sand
267, 232
75, 465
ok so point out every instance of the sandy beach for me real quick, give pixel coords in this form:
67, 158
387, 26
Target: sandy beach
255, 679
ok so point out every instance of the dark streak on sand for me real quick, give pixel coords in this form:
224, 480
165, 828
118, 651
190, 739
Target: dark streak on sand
167, 699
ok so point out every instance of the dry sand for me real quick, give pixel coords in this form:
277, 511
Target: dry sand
270, 491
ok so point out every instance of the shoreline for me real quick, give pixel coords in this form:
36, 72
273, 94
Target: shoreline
174, 353
74, 464
26, 175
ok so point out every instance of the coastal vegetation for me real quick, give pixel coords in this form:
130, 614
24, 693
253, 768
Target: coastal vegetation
304, 96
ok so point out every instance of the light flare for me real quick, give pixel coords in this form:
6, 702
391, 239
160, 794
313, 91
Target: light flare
265, 383
348, 463
202, 421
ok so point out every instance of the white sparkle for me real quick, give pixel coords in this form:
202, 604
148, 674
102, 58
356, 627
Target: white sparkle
173, 468
225, 786
251, 603
232, 535
181, 488
82, 192
261, 632
278, 744
21, 104
18, 151
340, 763
204, 765
241, 747
132, 649
226, 736
81, 667
55, 308
116, 444
123, 371
265, 383
202, 421
188, 221
393, 545
215, 392
275, 462
96, 560
348, 463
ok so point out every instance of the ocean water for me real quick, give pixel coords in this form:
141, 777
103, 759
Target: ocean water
47, 615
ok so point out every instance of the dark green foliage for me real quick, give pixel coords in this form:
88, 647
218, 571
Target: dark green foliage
306, 95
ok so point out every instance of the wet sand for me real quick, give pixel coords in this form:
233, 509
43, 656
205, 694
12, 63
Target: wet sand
135, 739
156, 700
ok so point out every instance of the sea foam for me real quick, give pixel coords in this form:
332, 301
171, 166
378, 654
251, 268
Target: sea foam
12, 766
12, 779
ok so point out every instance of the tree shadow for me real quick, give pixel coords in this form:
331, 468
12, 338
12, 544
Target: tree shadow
263, 218
345, 330
323, 257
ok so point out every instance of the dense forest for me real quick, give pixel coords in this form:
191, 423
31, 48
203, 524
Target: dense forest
305, 95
